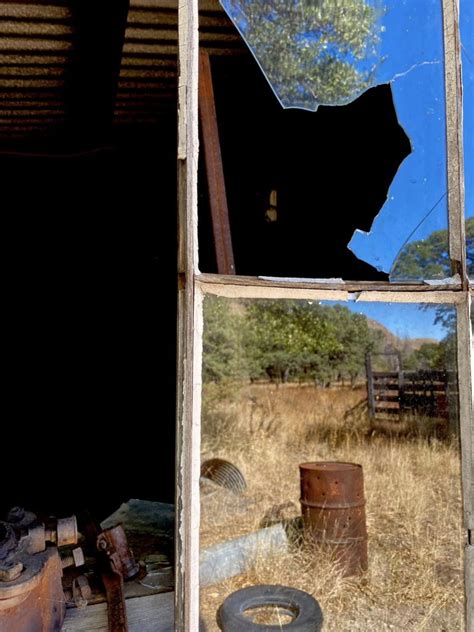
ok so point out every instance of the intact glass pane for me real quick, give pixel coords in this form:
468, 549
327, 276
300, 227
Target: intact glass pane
330, 462
332, 129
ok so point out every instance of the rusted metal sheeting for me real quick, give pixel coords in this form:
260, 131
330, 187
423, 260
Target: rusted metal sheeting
38, 44
333, 507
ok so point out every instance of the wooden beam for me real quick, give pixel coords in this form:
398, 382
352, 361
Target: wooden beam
253, 287
188, 390
214, 169
454, 138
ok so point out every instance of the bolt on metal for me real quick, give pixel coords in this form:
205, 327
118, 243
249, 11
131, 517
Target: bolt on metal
73, 558
9, 571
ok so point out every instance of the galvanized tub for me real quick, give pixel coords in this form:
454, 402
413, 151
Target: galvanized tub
333, 507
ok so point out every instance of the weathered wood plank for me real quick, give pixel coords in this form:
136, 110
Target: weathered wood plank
257, 287
469, 586
466, 420
188, 390
454, 138
370, 385
154, 613
214, 169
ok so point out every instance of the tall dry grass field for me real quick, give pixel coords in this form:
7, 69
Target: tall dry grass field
412, 487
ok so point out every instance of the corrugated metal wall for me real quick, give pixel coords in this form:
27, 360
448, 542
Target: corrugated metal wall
37, 43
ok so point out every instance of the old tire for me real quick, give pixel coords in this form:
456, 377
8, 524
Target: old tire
308, 614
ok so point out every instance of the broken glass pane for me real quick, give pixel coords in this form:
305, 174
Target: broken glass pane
313, 53
349, 387
371, 174
467, 57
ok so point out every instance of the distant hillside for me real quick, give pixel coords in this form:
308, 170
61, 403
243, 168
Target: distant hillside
405, 346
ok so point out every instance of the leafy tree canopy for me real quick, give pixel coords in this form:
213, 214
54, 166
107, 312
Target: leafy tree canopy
284, 339
312, 51
429, 258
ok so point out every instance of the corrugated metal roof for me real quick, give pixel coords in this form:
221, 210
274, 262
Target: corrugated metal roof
37, 40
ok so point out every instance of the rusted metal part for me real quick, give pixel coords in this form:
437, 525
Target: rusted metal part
66, 531
225, 474
333, 507
117, 564
117, 613
80, 593
8, 540
9, 571
214, 169
114, 543
73, 558
31, 593
34, 601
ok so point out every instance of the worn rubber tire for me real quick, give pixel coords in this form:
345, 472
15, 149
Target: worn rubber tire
231, 618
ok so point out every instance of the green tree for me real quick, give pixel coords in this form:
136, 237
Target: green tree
288, 338
222, 341
429, 258
310, 49
431, 355
356, 340
298, 339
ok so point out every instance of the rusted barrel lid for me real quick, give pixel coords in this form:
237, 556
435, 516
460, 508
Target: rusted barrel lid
332, 485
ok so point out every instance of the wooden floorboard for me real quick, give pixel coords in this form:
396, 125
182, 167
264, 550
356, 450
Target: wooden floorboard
154, 613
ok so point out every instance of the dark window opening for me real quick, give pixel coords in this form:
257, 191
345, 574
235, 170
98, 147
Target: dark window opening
89, 197
89, 328
329, 171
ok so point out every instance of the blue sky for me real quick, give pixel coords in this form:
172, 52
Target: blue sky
405, 320
412, 49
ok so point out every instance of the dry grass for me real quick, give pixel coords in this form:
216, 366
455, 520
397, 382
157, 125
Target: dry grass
415, 579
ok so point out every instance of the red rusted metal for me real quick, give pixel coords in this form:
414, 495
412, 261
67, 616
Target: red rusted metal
117, 563
31, 592
333, 507
114, 543
34, 601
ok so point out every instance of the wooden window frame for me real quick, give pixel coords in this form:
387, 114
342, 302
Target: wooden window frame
193, 286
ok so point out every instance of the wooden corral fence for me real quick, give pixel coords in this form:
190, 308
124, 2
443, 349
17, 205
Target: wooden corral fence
398, 394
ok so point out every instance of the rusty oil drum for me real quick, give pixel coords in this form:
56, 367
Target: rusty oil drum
333, 507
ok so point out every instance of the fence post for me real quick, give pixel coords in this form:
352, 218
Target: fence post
370, 385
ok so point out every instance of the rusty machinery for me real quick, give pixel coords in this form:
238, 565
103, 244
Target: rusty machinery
39, 571
31, 591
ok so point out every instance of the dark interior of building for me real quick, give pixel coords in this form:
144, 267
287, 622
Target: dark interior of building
331, 170
88, 162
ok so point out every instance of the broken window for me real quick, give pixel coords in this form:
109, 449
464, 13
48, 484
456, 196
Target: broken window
361, 186
357, 189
